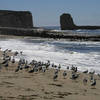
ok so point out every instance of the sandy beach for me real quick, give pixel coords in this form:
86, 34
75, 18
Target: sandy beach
22, 85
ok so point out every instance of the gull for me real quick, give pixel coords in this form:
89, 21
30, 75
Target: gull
56, 72
59, 67
74, 76
85, 81
86, 71
64, 74
55, 77
93, 83
67, 67
13, 60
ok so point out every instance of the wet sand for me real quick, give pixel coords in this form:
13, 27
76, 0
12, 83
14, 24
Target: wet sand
41, 86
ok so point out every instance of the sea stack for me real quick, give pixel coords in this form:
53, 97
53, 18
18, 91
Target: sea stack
67, 23
18, 19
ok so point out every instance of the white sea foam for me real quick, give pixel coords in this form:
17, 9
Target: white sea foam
84, 55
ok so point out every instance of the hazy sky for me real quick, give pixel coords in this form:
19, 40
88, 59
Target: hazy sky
47, 12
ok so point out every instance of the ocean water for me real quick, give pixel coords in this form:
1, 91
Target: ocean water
79, 31
84, 55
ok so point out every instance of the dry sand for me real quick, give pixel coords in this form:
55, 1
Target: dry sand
41, 86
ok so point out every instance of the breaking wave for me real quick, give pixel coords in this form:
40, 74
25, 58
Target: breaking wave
84, 55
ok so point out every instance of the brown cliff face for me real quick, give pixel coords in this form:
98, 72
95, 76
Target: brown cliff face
16, 19
67, 23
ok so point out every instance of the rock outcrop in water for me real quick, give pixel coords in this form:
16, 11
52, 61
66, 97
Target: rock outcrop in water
67, 23
16, 19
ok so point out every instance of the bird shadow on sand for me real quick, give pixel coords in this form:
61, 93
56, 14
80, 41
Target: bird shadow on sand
28, 97
93, 87
58, 85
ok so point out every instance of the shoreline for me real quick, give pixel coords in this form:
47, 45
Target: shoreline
46, 38
43, 33
12, 43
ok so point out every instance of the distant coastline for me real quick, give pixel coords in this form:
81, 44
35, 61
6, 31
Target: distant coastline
20, 23
51, 27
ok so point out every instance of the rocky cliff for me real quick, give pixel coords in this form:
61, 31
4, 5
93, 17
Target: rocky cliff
67, 23
16, 19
